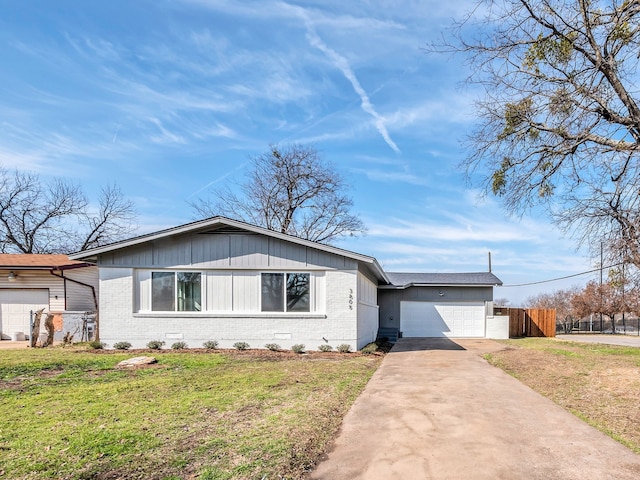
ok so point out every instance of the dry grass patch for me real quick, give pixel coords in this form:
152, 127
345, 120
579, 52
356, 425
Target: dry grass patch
599, 383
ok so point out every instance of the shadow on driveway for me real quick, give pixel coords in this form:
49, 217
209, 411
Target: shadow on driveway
421, 344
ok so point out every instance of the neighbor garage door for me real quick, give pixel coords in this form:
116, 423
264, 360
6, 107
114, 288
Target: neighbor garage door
15, 307
428, 319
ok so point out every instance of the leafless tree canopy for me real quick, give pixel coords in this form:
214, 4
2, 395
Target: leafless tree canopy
292, 190
56, 217
559, 121
561, 300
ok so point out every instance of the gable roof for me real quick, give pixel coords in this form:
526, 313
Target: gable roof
476, 279
39, 261
223, 224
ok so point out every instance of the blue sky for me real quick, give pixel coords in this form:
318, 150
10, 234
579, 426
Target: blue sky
168, 98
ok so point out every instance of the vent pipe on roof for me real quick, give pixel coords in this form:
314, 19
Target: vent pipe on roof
489, 262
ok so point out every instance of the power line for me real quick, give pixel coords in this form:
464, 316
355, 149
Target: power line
563, 278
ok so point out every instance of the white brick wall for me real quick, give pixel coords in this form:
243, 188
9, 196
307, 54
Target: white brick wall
368, 314
118, 322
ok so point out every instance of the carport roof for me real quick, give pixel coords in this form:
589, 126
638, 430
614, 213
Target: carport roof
37, 261
474, 279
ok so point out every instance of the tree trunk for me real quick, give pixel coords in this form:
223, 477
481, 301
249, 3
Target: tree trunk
48, 324
35, 328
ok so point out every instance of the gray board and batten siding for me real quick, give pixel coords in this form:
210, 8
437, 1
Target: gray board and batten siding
224, 250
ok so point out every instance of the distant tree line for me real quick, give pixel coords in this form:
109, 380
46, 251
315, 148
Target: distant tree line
618, 295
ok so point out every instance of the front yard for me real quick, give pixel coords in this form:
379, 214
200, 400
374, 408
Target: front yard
598, 383
68, 414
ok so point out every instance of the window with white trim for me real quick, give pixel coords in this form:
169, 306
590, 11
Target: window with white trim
176, 291
285, 292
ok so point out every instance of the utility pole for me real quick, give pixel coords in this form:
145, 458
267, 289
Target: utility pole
601, 266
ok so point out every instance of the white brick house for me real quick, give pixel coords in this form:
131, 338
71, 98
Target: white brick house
225, 280
220, 279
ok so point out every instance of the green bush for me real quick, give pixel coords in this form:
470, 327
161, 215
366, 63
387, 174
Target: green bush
274, 347
369, 349
344, 348
241, 345
298, 348
155, 344
325, 348
179, 345
210, 344
96, 345
122, 345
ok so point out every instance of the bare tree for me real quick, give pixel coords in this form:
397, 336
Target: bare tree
600, 299
561, 301
501, 302
289, 189
56, 217
112, 221
559, 121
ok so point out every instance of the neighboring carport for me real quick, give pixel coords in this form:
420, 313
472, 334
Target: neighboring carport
453, 305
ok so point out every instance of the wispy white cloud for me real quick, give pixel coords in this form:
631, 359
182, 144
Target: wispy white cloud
165, 135
388, 175
343, 65
465, 229
217, 180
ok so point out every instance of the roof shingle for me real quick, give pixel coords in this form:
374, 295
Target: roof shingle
474, 279
36, 261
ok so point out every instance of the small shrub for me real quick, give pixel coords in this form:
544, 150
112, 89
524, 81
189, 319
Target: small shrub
122, 345
274, 347
369, 349
210, 344
298, 348
325, 348
179, 345
96, 345
344, 348
155, 344
241, 345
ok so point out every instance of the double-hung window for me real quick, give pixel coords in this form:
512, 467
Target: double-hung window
285, 292
176, 291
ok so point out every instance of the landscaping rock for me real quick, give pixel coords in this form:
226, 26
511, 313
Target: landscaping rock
136, 362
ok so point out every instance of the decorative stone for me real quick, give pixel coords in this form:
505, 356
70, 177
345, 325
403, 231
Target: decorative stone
136, 362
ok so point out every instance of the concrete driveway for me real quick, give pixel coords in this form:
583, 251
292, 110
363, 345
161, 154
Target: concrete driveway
435, 409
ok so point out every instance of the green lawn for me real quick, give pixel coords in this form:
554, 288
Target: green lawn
68, 414
598, 383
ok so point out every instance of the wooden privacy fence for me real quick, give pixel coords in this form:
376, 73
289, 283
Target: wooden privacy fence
531, 322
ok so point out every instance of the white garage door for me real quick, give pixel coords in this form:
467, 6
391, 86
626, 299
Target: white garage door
427, 319
15, 307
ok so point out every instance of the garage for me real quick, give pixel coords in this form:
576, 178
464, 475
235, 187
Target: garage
16, 306
441, 319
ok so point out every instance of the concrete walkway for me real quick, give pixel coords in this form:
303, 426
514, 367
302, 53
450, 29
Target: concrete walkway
11, 345
435, 409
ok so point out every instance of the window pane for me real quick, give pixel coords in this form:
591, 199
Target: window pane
163, 291
189, 292
297, 292
273, 292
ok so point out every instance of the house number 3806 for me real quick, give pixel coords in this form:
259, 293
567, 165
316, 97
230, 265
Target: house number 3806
351, 299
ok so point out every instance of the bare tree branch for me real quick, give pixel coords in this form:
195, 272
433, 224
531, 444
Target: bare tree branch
292, 190
559, 125
55, 217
